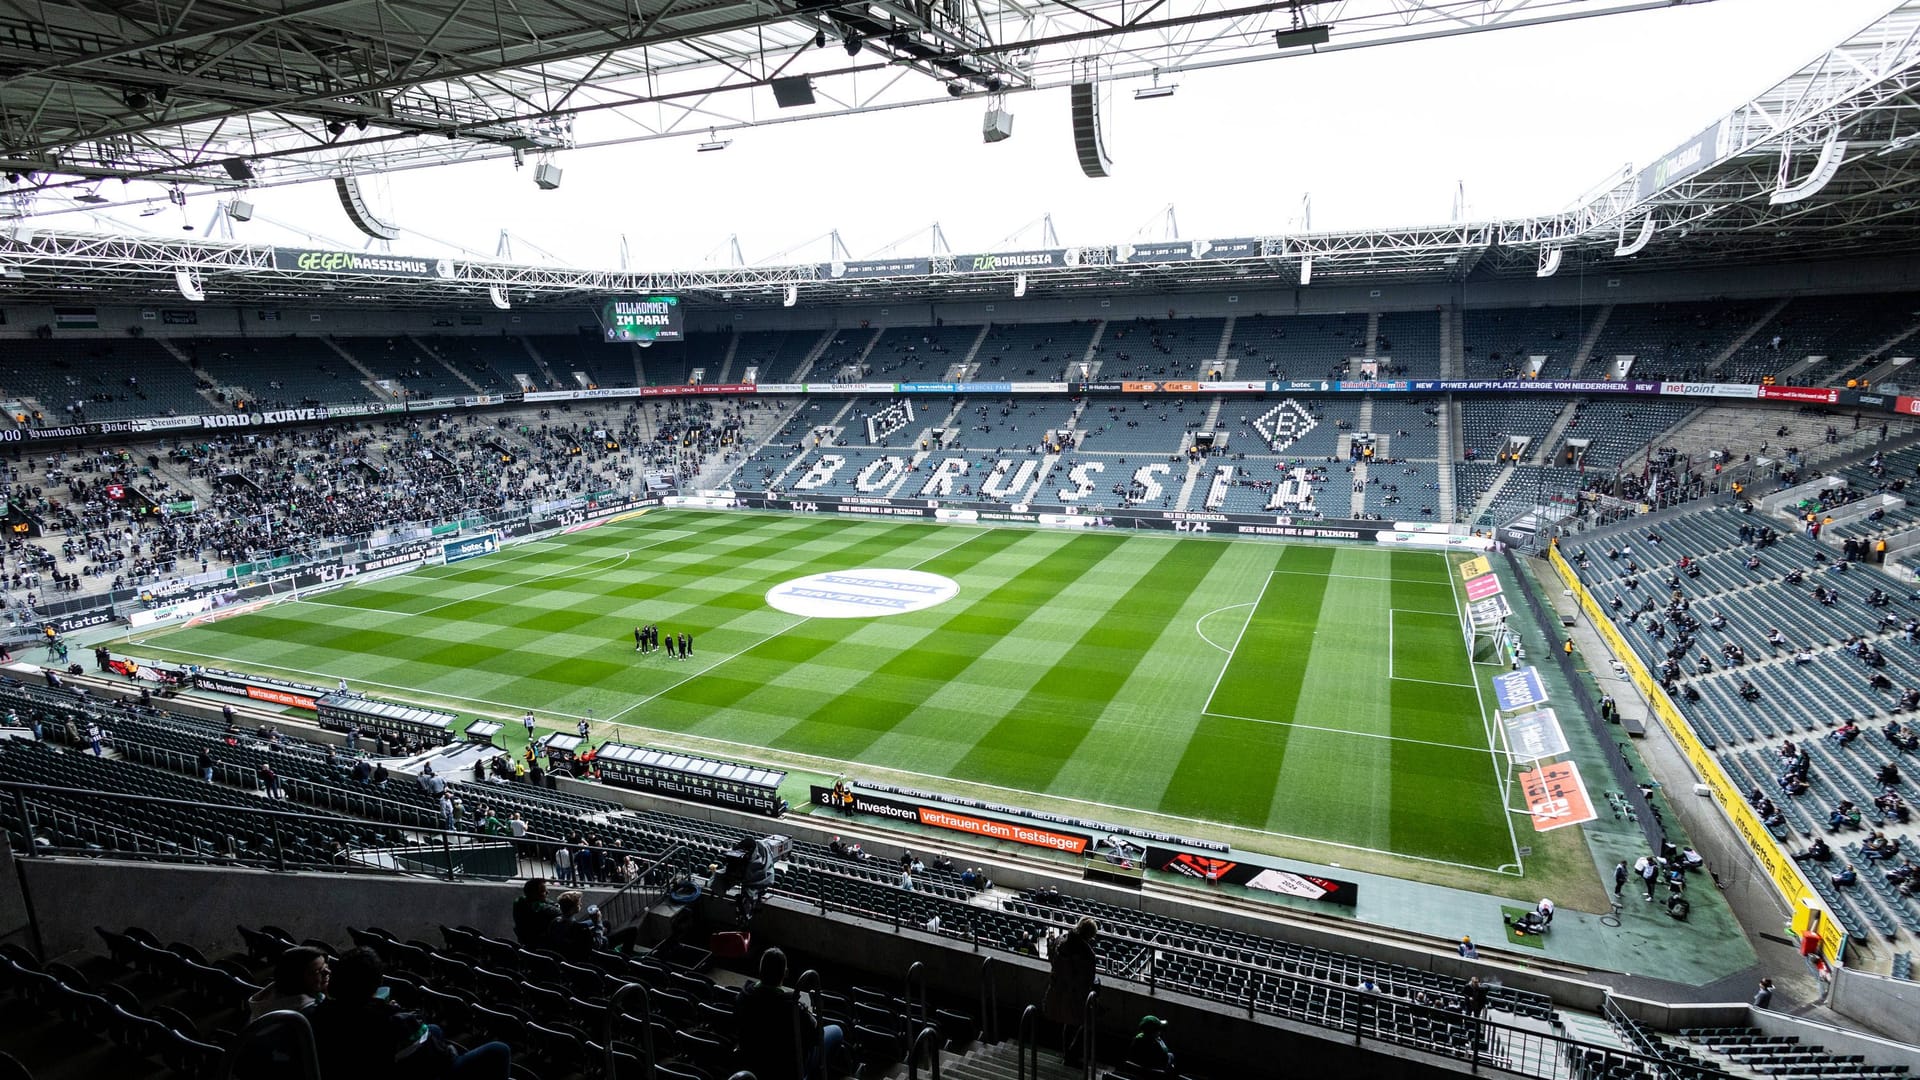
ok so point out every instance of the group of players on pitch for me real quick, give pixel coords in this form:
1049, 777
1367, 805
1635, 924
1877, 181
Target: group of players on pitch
647, 638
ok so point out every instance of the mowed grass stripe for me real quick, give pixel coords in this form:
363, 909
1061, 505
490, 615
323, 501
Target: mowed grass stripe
1027, 748
1343, 686
849, 723
1230, 767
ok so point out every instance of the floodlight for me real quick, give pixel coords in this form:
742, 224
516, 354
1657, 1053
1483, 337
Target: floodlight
1306, 270
1147, 93
713, 143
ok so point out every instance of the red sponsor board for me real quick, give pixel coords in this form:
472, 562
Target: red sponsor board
1908, 405
1002, 830
281, 697
1555, 796
1482, 587
702, 388
1818, 395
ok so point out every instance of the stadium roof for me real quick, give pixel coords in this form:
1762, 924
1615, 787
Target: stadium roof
1826, 164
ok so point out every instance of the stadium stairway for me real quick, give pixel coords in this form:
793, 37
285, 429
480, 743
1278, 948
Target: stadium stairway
1589, 340
427, 350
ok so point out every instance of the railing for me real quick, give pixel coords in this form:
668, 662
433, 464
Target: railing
1027, 1041
1403, 1016
929, 1040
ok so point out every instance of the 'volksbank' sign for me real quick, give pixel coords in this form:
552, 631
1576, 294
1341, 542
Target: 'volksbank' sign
354, 262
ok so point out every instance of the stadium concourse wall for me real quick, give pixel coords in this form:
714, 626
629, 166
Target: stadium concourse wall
1795, 894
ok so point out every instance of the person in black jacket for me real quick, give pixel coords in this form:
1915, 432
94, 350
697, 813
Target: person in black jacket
1073, 978
533, 914
776, 1034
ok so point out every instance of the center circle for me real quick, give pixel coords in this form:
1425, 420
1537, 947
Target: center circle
861, 594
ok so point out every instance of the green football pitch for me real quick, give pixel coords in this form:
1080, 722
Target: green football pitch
1299, 690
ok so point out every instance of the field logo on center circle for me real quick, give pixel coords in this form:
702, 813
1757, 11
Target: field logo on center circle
861, 594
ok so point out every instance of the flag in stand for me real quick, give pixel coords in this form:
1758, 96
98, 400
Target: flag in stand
117, 492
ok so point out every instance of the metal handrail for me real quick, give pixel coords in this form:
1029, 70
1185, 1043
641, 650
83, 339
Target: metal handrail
1027, 1041
1090, 1033
913, 1054
615, 1010
916, 977
989, 1003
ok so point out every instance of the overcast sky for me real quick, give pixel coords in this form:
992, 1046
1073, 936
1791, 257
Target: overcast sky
1527, 119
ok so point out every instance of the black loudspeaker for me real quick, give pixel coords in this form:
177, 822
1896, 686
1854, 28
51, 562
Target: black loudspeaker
793, 91
348, 188
1088, 140
238, 168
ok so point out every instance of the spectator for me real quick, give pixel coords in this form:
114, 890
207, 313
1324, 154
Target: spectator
299, 980
1763, 996
1466, 949
1149, 1054
777, 1035
1074, 976
574, 934
533, 913
362, 1036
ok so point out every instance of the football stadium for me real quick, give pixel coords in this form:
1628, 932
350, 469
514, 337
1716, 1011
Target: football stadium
1486, 648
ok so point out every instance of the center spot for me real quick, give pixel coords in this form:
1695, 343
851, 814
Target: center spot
861, 594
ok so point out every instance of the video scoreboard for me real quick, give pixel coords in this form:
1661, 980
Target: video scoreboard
642, 319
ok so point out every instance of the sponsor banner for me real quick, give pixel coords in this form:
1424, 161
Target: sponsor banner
360, 263
1817, 395
1483, 586
779, 388
1374, 386
1535, 736
1303, 386
1690, 157
470, 547
76, 318
577, 395
1038, 387
1007, 261
1170, 251
1871, 401
184, 610
1556, 798
264, 419
1432, 540
1519, 689
1240, 387
67, 624
963, 517
1907, 405
880, 268
1710, 389
282, 697
1239, 247
1297, 532
1071, 823
1781, 870
1489, 612
179, 317
940, 817
1475, 567
1253, 875
962, 387
1550, 386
